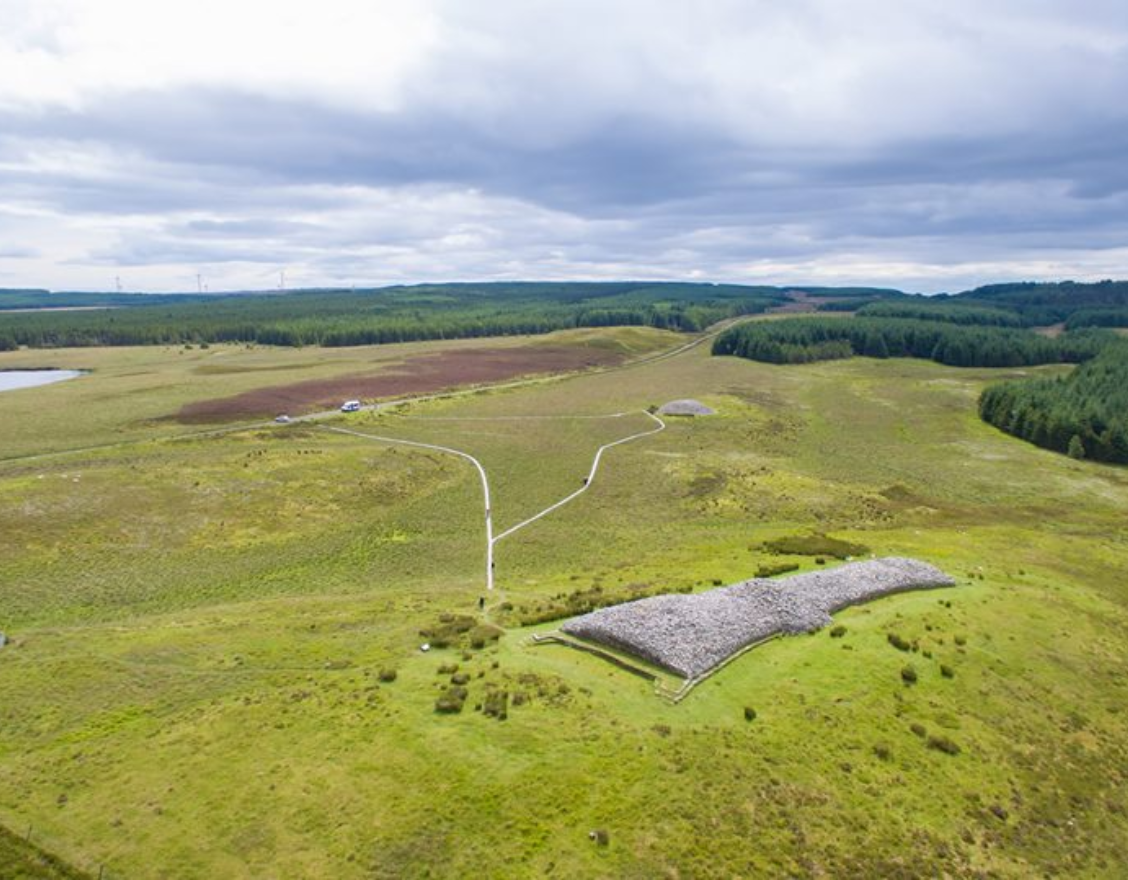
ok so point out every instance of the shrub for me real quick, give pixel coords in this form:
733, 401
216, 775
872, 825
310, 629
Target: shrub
749, 713
899, 643
943, 744
815, 545
460, 678
947, 671
600, 837
838, 632
496, 705
483, 634
448, 669
450, 703
388, 675
448, 631
918, 729
883, 752
908, 675
961, 640
772, 569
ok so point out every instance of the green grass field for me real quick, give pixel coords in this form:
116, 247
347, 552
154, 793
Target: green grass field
198, 629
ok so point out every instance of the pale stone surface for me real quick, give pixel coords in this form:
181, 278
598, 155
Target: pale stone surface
689, 635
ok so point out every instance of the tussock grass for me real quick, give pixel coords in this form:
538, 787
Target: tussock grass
199, 629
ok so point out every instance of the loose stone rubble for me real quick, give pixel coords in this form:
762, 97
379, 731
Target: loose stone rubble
690, 635
685, 408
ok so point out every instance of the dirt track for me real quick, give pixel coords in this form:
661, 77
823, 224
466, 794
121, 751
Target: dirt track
418, 375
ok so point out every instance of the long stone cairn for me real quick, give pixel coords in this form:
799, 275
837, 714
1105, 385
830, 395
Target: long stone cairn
690, 635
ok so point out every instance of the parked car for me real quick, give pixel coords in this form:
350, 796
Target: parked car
283, 419
350, 406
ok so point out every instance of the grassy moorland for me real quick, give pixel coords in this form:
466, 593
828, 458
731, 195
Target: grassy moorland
135, 393
201, 628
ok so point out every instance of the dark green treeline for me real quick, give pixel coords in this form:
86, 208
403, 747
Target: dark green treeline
1084, 414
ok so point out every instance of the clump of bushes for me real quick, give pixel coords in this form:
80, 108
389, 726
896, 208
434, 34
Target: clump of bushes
899, 643
482, 634
448, 669
451, 701
579, 602
947, 671
387, 675
496, 705
837, 632
749, 713
908, 675
448, 630
815, 545
771, 569
460, 678
943, 744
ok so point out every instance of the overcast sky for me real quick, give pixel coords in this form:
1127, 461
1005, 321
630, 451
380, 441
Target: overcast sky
926, 144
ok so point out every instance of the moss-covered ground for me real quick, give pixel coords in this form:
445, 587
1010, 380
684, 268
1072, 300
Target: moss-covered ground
193, 686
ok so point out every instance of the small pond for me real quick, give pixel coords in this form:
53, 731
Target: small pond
10, 380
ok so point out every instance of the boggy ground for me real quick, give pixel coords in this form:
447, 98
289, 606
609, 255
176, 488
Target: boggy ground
199, 629
417, 375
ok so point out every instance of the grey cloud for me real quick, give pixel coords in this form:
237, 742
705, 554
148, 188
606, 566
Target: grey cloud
625, 145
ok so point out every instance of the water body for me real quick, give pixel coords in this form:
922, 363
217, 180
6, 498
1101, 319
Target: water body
11, 380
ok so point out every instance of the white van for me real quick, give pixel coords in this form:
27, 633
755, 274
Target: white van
350, 406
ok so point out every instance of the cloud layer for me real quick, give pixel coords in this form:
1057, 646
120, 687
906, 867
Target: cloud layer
932, 145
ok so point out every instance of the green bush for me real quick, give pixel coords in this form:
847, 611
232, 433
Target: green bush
837, 632
451, 702
918, 729
815, 545
943, 744
908, 675
899, 643
772, 569
947, 671
483, 634
883, 752
749, 713
496, 705
387, 675
460, 678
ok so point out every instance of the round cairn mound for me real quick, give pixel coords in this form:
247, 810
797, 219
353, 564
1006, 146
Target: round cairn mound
686, 408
